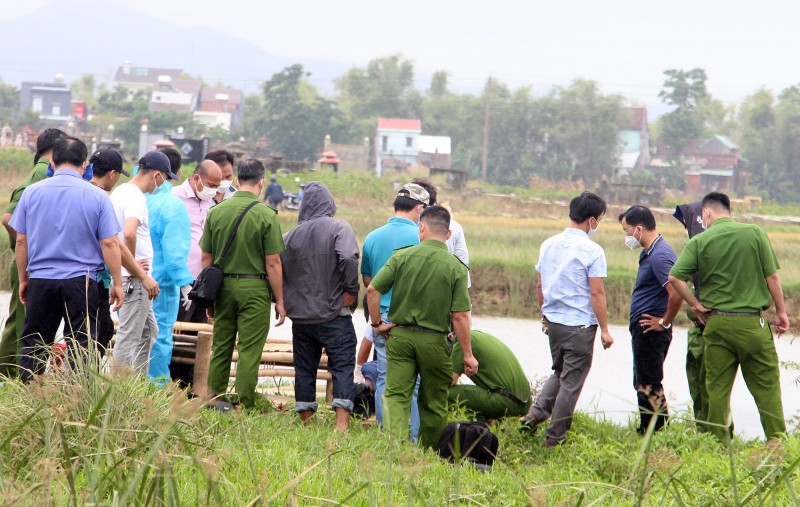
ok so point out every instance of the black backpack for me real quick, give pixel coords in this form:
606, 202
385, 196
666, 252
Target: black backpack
470, 441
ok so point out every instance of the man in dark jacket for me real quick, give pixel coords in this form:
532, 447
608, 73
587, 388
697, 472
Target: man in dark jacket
320, 276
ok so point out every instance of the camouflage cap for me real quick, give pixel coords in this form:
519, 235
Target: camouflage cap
416, 192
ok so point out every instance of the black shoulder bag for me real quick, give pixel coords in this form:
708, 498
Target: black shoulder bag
205, 289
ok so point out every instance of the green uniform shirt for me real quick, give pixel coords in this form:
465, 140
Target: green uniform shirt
733, 261
500, 368
259, 234
38, 173
427, 283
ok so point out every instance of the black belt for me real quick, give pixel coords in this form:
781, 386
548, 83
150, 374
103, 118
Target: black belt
508, 394
253, 277
735, 314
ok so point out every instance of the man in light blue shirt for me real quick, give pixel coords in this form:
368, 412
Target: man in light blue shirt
66, 232
572, 297
400, 231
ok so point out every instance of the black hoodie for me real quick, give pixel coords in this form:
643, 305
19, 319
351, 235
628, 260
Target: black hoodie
320, 262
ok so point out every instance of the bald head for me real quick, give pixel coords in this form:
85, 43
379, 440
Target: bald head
207, 176
209, 168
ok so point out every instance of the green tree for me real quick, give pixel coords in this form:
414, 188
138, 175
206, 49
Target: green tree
9, 103
296, 118
684, 90
383, 88
84, 89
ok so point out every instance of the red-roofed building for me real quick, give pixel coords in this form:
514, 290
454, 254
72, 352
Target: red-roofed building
396, 143
220, 106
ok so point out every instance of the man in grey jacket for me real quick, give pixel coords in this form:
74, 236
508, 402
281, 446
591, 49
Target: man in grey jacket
320, 277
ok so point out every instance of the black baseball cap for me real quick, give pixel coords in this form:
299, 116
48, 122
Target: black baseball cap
157, 161
107, 159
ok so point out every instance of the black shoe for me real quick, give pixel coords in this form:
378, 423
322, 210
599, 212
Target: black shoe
216, 403
528, 424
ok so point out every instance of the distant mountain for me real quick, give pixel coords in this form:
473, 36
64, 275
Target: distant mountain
55, 40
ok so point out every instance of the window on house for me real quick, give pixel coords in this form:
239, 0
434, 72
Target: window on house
56, 111
36, 104
384, 143
409, 142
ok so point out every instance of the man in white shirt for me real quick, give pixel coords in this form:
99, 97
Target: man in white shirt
572, 297
137, 323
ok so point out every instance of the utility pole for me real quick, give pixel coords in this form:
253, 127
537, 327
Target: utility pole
486, 128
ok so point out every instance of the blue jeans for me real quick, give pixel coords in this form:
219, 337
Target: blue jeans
380, 386
338, 337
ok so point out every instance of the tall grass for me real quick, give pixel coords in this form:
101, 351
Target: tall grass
87, 439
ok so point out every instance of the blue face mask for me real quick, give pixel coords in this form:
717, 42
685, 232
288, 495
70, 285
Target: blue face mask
87, 174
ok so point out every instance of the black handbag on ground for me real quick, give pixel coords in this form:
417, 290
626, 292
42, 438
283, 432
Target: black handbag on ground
473, 442
206, 287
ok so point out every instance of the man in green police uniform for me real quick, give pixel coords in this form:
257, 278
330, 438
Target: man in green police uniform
12, 332
429, 288
738, 272
501, 388
253, 276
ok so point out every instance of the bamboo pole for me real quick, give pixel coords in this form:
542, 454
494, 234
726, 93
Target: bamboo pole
201, 365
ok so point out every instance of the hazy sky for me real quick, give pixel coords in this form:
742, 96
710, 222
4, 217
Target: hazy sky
625, 45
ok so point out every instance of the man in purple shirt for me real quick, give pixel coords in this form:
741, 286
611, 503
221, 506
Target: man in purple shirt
66, 232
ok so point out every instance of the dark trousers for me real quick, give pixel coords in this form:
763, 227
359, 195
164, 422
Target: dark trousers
338, 338
73, 300
649, 352
105, 326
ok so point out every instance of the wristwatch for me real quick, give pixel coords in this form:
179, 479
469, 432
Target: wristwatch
661, 323
376, 324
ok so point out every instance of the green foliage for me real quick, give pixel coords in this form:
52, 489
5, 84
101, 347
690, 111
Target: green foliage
9, 103
684, 90
295, 118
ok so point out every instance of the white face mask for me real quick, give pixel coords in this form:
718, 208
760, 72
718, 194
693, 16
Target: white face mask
632, 243
224, 185
206, 193
593, 231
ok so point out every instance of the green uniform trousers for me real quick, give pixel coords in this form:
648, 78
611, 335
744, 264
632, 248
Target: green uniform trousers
409, 353
696, 375
486, 404
243, 306
729, 343
12, 332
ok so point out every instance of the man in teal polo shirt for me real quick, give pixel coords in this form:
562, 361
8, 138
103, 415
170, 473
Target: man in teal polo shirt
12, 332
500, 388
429, 288
399, 232
253, 277
738, 273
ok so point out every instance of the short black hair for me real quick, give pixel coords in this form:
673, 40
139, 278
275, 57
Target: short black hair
250, 170
46, 141
69, 150
638, 215
220, 157
403, 203
437, 218
174, 158
714, 199
427, 185
586, 206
